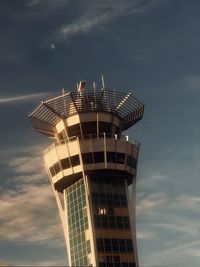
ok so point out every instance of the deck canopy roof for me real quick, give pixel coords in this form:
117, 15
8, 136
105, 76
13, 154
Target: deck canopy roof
49, 112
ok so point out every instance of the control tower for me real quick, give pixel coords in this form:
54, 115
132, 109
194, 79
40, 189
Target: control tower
92, 170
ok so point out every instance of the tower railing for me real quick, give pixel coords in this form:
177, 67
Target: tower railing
124, 138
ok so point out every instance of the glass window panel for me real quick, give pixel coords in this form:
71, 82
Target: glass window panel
57, 167
95, 196
108, 248
109, 258
99, 241
123, 197
109, 202
133, 163
111, 218
87, 158
115, 249
107, 241
102, 259
111, 157
102, 196
75, 160
65, 163
128, 160
111, 210
122, 248
126, 222
104, 224
128, 242
121, 158
109, 196
74, 130
116, 200
100, 248
122, 242
104, 127
116, 258
52, 171
97, 221
98, 157
129, 245
95, 208
129, 248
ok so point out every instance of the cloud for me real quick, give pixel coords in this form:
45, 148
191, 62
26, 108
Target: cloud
170, 239
4, 263
28, 211
167, 209
189, 84
41, 8
173, 256
20, 210
152, 201
193, 81
145, 235
193, 252
37, 262
101, 13
34, 178
45, 3
33, 2
26, 164
188, 202
30, 97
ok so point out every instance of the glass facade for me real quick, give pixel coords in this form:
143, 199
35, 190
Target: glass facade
64, 164
111, 221
109, 207
114, 245
77, 224
90, 158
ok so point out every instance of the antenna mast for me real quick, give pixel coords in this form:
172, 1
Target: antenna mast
102, 80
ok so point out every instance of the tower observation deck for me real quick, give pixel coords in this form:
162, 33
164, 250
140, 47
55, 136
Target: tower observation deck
92, 170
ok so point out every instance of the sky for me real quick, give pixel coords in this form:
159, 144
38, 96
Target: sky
149, 47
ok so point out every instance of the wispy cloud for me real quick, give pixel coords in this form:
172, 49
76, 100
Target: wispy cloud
189, 83
4, 263
38, 262
38, 8
30, 97
171, 234
20, 209
26, 164
145, 235
152, 201
27, 198
102, 12
165, 257
33, 2
168, 209
46, 3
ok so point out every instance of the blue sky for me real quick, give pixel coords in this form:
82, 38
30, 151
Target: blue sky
150, 47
